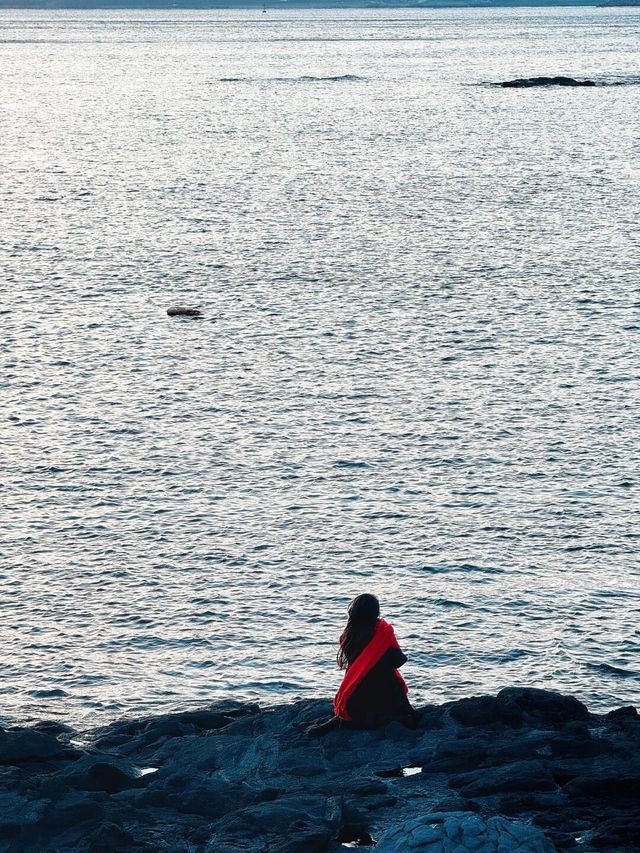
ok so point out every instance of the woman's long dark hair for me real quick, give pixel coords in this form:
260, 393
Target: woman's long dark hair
364, 611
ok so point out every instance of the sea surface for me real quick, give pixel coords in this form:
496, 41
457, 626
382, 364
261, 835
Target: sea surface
417, 371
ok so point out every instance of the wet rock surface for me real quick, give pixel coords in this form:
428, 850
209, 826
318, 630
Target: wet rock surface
523, 770
450, 832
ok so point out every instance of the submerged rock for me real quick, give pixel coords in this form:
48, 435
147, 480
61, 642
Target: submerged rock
528, 82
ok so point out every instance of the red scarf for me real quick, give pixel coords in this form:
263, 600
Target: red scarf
383, 639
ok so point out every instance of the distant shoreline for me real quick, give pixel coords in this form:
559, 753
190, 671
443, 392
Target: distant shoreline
281, 5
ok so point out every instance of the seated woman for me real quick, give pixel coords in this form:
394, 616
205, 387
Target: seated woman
372, 693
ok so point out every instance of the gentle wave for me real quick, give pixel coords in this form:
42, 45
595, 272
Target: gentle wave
617, 671
304, 78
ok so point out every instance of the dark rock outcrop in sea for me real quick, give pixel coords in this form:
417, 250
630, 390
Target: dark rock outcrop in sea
528, 82
526, 770
183, 311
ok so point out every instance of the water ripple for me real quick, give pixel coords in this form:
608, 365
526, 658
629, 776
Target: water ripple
416, 371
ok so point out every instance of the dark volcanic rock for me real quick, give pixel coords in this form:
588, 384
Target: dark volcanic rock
456, 756
134, 736
291, 823
103, 776
521, 776
209, 798
19, 745
476, 711
233, 778
462, 832
533, 707
72, 809
577, 742
53, 727
518, 706
182, 311
528, 82
626, 713
618, 833
111, 838
532, 801
430, 717
625, 720
456, 804
619, 787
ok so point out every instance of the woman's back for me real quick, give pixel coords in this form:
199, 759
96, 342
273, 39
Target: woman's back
372, 692
380, 695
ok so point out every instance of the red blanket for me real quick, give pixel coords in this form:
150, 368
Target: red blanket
383, 639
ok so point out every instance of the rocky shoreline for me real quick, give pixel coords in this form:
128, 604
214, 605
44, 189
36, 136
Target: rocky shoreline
527, 770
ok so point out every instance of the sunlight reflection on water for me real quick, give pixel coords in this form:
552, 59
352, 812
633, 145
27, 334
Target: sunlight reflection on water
417, 371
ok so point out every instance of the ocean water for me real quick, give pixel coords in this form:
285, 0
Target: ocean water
417, 373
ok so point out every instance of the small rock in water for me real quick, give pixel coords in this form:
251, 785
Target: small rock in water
182, 311
528, 82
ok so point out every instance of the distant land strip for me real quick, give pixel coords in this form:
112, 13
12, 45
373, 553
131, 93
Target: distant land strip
276, 5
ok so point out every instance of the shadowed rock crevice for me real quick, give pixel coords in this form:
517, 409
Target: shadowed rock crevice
526, 769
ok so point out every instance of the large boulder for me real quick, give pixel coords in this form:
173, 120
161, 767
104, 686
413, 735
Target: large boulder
476, 711
539, 708
518, 706
463, 832
21, 745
